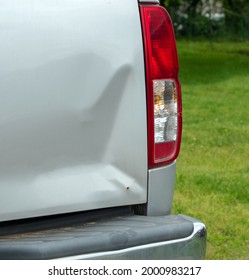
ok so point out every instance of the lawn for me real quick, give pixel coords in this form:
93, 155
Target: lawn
213, 166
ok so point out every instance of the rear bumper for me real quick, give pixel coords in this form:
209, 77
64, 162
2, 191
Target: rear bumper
191, 247
119, 237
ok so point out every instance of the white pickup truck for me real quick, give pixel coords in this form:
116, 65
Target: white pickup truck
90, 129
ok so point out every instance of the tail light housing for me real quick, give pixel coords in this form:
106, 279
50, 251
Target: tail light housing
164, 109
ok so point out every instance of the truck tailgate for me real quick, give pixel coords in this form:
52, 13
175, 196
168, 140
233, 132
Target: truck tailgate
72, 111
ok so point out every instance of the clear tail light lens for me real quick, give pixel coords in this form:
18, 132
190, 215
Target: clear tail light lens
164, 110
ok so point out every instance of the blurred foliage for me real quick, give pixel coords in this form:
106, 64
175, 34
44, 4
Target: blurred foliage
212, 173
210, 18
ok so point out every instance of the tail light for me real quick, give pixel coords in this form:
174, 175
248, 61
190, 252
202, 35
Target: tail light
164, 109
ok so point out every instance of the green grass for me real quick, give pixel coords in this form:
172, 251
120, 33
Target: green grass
213, 166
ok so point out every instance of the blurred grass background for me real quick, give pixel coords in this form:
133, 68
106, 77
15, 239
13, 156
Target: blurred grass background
213, 166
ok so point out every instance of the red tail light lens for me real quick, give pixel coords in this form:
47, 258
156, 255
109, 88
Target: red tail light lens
164, 109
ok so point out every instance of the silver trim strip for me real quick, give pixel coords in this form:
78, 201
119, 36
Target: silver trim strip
149, 1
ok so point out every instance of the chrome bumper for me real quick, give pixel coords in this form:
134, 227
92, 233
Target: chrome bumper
192, 247
125, 236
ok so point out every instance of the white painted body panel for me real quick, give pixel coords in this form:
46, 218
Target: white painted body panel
72, 107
